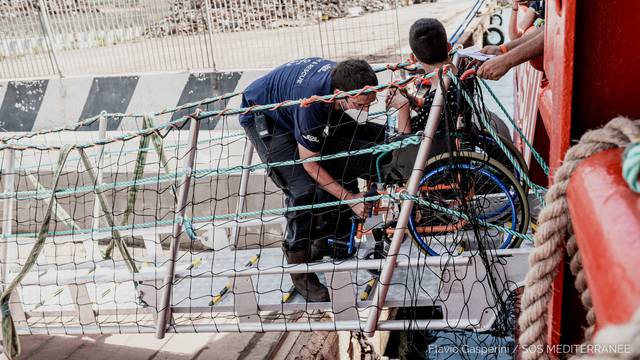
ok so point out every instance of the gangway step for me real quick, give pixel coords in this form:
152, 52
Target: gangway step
418, 281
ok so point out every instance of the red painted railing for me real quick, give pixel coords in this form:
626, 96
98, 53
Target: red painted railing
606, 220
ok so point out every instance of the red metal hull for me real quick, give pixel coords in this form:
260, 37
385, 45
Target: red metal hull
590, 63
606, 222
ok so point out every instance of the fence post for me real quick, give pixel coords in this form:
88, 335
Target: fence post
320, 33
46, 29
397, 21
207, 4
167, 284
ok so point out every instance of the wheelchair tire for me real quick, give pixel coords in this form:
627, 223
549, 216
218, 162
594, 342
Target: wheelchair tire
496, 19
493, 36
494, 152
516, 211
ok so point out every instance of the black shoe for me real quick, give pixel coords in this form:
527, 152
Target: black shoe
308, 285
319, 249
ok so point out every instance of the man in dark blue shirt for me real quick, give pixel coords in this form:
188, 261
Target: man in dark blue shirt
295, 80
300, 132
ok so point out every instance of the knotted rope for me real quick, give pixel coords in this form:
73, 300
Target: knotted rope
554, 228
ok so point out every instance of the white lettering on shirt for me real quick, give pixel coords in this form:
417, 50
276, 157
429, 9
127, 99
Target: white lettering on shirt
324, 68
311, 138
297, 62
306, 70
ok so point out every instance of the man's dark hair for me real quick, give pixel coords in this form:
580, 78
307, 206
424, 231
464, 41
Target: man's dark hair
353, 74
428, 41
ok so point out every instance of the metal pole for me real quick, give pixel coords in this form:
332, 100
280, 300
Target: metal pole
107, 275
8, 172
424, 151
167, 285
319, 30
247, 158
207, 3
386, 325
46, 27
398, 33
102, 134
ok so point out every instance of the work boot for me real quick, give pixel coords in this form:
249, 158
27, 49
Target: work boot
308, 285
319, 249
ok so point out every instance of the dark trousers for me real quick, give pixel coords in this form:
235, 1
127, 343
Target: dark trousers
301, 189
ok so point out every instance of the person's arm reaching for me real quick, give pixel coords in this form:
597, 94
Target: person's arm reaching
519, 24
513, 22
495, 68
495, 50
398, 99
404, 120
524, 38
328, 183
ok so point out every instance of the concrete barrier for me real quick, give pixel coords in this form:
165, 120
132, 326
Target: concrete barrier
48, 103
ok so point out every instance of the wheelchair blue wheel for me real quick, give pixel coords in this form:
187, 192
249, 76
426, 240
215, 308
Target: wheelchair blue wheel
489, 146
473, 184
485, 144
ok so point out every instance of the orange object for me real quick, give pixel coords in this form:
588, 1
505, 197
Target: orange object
435, 228
503, 48
468, 74
606, 220
420, 82
438, 187
359, 230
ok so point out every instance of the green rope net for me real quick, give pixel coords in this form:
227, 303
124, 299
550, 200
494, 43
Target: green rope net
90, 228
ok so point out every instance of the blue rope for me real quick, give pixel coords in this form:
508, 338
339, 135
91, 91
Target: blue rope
188, 228
631, 166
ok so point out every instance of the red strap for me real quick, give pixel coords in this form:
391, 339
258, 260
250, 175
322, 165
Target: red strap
467, 74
